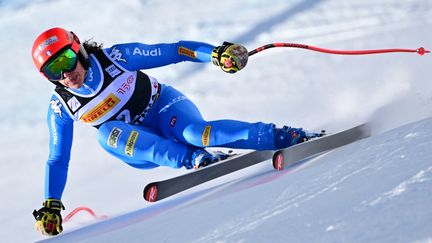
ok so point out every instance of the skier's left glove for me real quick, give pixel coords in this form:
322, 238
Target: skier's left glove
230, 57
48, 218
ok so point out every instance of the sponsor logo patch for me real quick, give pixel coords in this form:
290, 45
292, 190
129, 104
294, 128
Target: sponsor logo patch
54, 133
172, 102
173, 121
116, 54
114, 136
100, 109
44, 44
90, 75
112, 70
186, 52
130, 145
73, 104
56, 107
206, 136
126, 85
148, 53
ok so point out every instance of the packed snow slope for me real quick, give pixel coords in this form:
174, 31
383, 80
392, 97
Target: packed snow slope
285, 86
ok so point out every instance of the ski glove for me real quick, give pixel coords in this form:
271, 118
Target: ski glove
230, 57
48, 218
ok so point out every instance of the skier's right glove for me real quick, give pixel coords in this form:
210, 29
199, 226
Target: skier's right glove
230, 57
48, 218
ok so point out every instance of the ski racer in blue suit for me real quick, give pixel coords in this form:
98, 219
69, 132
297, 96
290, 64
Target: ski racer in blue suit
140, 120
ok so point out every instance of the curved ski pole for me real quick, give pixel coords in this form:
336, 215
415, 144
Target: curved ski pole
421, 51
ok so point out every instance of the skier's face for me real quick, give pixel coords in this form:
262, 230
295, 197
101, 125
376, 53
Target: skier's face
75, 78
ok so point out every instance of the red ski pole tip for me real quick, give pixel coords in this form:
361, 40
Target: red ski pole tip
421, 51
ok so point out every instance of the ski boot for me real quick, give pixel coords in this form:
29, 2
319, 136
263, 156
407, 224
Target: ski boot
288, 136
202, 158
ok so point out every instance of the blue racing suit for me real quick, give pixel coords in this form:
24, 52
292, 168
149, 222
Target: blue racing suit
139, 120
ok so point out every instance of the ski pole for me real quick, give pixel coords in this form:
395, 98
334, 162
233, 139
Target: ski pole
421, 51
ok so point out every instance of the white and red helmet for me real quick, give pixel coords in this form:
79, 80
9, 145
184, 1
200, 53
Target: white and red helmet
54, 40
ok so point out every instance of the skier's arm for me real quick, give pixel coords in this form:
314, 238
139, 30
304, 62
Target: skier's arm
61, 131
135, 56
48, 217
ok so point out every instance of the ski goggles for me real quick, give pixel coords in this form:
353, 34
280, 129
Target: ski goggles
64, 62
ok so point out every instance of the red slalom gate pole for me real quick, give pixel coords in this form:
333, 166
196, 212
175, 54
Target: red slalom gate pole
421, 51
80, 209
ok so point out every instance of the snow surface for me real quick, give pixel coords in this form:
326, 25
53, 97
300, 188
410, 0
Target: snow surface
376, 190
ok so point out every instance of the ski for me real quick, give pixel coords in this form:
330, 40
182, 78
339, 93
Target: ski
285, 157
156, 191
159, 190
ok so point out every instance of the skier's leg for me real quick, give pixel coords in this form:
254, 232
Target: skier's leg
178, 117
141, 147
243, 135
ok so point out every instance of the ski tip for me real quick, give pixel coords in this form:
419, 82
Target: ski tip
151, 193
277, 160
366, 129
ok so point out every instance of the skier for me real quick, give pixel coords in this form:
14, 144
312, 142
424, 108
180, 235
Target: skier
140, 121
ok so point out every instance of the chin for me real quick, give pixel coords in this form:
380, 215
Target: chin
76, 85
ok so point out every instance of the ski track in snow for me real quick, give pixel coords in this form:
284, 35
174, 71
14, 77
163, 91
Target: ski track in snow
281, 205
422, 176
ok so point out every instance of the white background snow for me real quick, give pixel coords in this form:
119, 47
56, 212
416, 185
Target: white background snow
376, 190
